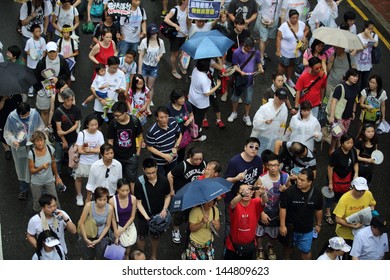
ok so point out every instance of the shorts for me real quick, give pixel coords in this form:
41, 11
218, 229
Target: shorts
272, 232
150, 71
267, 32
287, 61
82, 171
346, 123
143, 228
130, 167
246, 96
176, 43
303, 241
43, 101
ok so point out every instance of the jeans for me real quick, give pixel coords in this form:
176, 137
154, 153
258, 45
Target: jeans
24, 186
124, 46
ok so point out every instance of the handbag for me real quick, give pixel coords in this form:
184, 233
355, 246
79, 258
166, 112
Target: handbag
340, 105
302, 45
87, 27
97, 9
341, 185
194, 130
114, 252
376, 54
90, 226
186, 136
129, 236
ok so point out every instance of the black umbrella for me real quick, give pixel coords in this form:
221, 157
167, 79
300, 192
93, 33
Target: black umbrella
15, 78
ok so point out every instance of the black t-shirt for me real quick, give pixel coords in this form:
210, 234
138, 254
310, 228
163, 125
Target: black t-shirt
350, 95
180, 116
124, 136
156, 194
298, 211
185, 172
343, 163
238, 40
74, 114
364, 151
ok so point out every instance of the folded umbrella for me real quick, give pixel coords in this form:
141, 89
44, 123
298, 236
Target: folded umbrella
207, 44
15, 78
338, 38
198, 192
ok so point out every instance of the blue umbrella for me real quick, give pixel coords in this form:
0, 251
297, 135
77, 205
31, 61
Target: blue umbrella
198, 192
207, 44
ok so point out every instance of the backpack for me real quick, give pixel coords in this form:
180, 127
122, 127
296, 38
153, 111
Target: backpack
57, 247
60, 44
33, 153
167, 30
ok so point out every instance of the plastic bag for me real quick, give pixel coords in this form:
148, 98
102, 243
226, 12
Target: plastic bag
383, 127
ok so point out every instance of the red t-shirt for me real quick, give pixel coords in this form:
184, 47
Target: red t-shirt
314, 95
244, 222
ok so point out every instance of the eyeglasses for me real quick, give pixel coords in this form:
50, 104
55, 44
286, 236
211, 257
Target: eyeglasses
273, 165
107, 172
253, 147
117, 116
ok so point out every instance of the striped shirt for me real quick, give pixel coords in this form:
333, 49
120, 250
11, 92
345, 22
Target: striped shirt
163, 139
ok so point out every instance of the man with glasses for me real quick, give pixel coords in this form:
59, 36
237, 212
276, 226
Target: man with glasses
105, 172
311, 86
243, 168
153, 197
125, 134
117, 81
270, 121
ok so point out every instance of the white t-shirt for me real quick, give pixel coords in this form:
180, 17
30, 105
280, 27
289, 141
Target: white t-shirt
116, 81
325, 257
288, 43
66, 48
39, 19
200, 84
35, 228
150, 53
269, 9
302, 6
65, 17
139, 98
182, 21
52, 255
363, 58
94, 140
131, 25
193, 29
128, 69
36, 49
98, 82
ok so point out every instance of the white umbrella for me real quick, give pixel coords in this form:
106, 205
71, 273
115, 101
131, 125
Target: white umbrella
338, 37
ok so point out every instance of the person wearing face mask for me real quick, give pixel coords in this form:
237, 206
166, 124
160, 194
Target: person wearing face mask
19, 127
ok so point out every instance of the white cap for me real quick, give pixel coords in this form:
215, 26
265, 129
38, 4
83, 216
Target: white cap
51, 241
338, 243
51, 46
360, 184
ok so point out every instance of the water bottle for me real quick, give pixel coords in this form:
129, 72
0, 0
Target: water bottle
315, 233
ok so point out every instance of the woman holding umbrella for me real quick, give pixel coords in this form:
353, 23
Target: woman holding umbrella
203, 223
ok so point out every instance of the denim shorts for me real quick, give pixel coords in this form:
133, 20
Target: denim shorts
286, 61
151, 71
303, 241
246, 96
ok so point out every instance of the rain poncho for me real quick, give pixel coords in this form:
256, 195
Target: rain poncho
16, 129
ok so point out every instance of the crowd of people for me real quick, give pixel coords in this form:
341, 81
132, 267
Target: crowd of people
273, 196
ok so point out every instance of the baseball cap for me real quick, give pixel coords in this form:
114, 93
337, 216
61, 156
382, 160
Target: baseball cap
380, 223
360, 184
281, 93
338, 243
152, 28
51, 241
51, 46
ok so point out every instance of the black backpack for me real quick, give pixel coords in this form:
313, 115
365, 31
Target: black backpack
167, 30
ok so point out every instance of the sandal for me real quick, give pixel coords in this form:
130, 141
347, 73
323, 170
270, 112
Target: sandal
176, 75
260, 254
271, 254
329, 220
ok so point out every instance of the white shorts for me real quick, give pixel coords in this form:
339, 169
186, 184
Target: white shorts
82, 171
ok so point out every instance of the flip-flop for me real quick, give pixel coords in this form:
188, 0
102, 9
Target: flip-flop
329, 220
176, 75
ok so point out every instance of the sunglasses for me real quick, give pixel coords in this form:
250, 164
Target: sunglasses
107, 172
318, 68
253, 147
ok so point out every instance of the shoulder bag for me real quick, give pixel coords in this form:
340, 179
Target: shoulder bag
129, 236
306, 90
340, 105
302, 45
239, 81
90, 226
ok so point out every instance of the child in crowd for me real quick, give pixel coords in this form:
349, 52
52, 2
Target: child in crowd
68, 48
35, 50
222, 24
138, 99
13, 54
128, 65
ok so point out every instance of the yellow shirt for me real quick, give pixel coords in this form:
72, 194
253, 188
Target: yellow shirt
348, 205
204, 234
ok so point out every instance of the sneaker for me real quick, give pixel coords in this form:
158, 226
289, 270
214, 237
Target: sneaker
271, 254
239, 100
176, 237
30, 92
224, 97
200, 139
79, 200
247, 120
84, 105
22, 196
262, 61
164, 13
260, 254
232, 116
220, 124
72, 78
205, 123
290, 83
